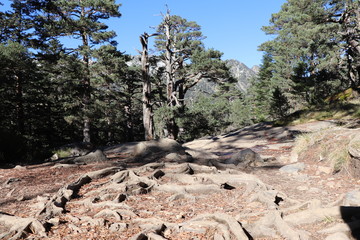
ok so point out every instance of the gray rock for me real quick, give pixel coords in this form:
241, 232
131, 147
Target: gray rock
292, 168
149, 151
354, 147
352, 198
162, 145
11, 180
175, 157
118, 227
96, 156
245, 158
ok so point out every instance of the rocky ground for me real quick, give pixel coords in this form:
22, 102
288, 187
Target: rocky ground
203, 189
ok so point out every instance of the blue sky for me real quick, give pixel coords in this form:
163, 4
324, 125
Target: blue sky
231, 26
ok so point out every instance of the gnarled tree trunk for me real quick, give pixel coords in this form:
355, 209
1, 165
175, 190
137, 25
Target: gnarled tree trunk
146, 93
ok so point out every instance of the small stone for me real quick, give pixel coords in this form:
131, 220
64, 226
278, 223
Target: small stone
118, 227
326, 170
22, 198
12, 180
19, 167
302, 188
352, 198
292, 168
54, 221
180, 216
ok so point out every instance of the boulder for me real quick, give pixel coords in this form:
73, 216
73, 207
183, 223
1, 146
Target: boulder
95, 156
245, 158
161, 145
354, 147
153, 150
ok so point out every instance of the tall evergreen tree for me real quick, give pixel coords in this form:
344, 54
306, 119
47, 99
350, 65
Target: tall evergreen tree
117, 110
82, 20
304, 37
187, 62
346, 15
261, 89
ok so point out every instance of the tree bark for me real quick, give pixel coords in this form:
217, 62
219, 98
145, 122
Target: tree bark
146, 93
86, 98
171, 125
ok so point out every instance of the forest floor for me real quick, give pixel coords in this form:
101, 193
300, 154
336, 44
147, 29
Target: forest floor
168, 199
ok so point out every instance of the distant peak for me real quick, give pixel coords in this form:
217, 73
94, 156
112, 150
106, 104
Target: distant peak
256, 68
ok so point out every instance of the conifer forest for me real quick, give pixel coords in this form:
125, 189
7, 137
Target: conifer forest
52, 94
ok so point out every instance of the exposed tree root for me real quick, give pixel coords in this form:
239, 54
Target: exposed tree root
273, 223
230, 228
20, 227
313, 215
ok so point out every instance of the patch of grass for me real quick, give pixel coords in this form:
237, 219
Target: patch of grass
334, 112
329, 219
331, 145
302, 142
340, 159
63, 153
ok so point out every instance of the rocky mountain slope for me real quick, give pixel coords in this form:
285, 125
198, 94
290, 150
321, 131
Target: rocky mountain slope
242, 73
248, 184
239, 71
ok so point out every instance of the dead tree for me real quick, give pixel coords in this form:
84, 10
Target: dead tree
146, 93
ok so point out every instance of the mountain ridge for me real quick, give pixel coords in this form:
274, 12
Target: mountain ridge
238, 70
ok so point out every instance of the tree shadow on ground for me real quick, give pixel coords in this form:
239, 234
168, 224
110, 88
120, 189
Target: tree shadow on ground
351, 216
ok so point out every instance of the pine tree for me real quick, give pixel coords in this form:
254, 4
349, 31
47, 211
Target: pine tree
304, 37
187, 62
261, 90
117, 108
345, 14
82, 20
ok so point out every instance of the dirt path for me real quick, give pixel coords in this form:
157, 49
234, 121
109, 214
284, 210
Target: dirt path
168, 199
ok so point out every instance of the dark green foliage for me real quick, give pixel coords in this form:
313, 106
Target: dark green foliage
259, 95
51, 95
41, 100
279, 104
314, 50
13, 148
117, 90
24, 103
187, 62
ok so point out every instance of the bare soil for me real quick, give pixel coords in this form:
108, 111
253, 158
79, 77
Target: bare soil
187, 200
